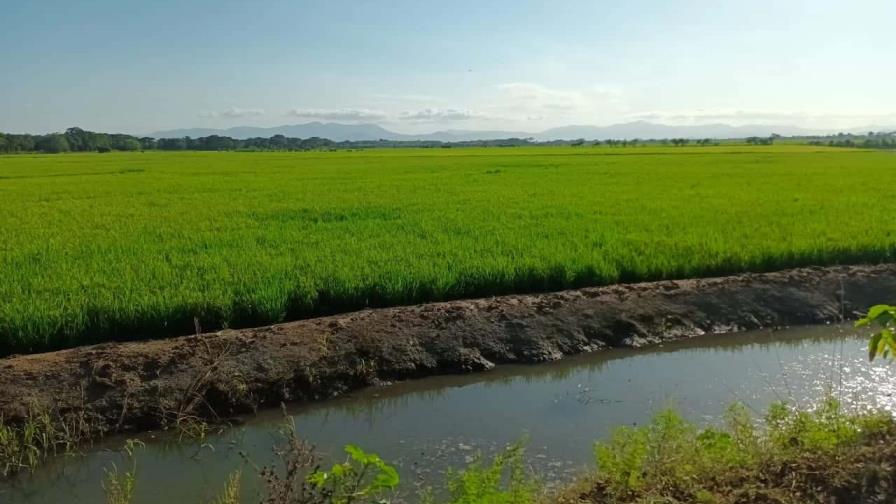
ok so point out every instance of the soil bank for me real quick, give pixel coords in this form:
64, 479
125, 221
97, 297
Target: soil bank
144, 385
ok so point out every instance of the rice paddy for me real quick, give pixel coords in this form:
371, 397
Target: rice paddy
99, 247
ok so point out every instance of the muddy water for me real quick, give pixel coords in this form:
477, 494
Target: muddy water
428, 425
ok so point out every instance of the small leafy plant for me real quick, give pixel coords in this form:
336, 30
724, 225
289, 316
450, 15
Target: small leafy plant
504, 481
362, 477
298, 478
883, 342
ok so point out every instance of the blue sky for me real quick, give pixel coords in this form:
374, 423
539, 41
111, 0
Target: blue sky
416, 66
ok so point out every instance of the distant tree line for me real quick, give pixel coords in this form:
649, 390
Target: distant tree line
79, 140
680, 142
223, 143
73, 140
873, 140
769, 140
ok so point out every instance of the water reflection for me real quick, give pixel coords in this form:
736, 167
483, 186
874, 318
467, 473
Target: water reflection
427, 425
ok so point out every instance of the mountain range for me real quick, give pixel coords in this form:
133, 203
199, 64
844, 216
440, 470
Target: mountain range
368, 131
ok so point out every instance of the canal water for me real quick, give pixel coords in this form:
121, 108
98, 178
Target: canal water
426, 426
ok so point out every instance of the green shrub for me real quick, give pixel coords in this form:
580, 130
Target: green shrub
670, 452
671, 458
363, 477
504, 481
822, 429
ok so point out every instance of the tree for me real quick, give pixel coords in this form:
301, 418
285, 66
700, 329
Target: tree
79, 140
278, 142
761, 140
172, 143
130, 144
53, 143
101, 142
22, 143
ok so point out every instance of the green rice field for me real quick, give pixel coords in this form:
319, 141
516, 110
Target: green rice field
98, 247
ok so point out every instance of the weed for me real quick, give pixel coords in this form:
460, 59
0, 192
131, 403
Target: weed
299, 479
117, 485
362, 477
190, 412
231, 493
504, 481
825, 453
26, 444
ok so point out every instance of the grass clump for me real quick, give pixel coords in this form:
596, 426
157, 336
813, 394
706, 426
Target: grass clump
119, 485
27, 443
672, 450
231, 493
793, 457
504, 481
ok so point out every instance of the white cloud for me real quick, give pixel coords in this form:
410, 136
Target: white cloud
432, 114
233, 112
703, 115
346, 114
404, 98
527, 102
778, 117
540, 96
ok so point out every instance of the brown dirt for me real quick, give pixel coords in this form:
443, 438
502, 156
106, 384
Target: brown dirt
144, 385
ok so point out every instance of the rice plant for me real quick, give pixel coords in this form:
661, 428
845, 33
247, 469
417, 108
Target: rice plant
135, 245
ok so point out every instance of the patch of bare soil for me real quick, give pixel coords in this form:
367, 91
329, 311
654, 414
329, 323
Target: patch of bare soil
143, 385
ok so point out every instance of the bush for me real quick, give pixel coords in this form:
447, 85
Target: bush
670, 451
822, 455
504, 481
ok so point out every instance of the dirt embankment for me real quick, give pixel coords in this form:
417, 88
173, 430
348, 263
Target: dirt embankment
142, 385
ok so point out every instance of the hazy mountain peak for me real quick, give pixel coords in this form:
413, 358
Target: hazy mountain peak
369, 131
